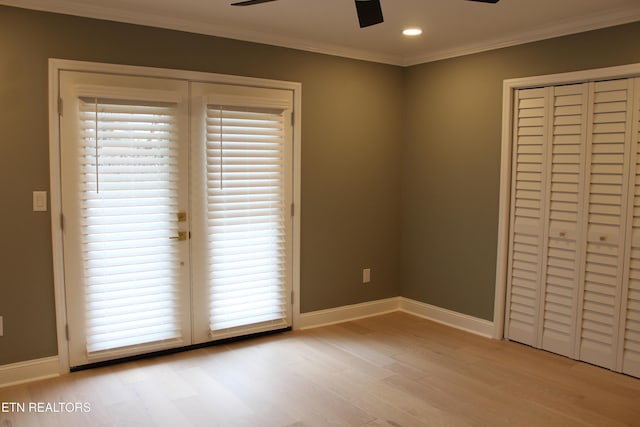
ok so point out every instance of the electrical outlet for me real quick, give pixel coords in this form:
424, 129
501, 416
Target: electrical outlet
366, 275
39, 201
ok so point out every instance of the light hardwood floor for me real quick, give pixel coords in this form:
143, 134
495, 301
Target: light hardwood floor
392, 370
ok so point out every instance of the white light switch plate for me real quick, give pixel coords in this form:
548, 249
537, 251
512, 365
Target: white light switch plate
366, 275
39, 201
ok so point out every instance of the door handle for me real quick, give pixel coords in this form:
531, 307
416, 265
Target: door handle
182, 235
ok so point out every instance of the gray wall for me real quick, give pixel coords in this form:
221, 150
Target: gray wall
351, 133
391, 180
451, 160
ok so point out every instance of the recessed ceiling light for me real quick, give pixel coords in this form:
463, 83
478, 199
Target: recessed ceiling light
412, 32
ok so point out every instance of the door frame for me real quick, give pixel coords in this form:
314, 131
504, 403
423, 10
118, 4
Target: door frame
58, 65
509, 87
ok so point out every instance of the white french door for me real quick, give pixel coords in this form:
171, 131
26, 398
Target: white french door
241, 218
175, 202
124, 163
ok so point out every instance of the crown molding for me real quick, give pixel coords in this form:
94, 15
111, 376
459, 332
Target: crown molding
567, 27
572, 26
198, 27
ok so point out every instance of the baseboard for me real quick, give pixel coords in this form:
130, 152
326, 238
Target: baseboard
346, 313
454, 319
31, 370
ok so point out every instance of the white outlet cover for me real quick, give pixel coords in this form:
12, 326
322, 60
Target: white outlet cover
39, 201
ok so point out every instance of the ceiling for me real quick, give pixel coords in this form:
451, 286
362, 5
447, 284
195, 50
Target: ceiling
451, 27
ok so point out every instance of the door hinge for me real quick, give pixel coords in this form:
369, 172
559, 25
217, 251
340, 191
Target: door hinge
293, 209
60, 106
293, 118
66, 331
292, 297
62, 222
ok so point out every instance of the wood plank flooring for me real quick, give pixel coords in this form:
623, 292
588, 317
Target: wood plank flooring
392, 370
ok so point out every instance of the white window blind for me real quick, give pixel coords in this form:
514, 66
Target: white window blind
129, 203
246, 216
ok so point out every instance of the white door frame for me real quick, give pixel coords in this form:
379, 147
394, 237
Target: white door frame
508, 90
58, 65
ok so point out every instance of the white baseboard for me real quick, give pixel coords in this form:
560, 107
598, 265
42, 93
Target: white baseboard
454, 319
346, 313
30, 370
331, 316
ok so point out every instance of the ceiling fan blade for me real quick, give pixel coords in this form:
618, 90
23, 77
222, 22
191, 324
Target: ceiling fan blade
487, 1
250, 2
369, 12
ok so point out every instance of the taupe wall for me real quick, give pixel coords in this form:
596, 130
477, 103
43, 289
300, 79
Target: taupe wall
351, 133
400, 166
451, 160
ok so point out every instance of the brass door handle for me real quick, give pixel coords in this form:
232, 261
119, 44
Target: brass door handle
182, 235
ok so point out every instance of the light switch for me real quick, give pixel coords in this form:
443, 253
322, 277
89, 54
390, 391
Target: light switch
366, 275
39, 201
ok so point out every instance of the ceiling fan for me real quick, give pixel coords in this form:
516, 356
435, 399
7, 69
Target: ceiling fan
369, 11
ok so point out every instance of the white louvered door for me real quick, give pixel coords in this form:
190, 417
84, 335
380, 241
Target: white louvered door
528, 210
124, 163
608, 154
574, 262
547, 213
629, 338
564, 224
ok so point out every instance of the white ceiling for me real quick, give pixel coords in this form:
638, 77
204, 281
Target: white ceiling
451, 27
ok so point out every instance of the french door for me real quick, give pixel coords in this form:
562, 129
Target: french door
176, 227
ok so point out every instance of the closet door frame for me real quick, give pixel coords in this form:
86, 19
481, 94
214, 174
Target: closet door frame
56, 66
510, 87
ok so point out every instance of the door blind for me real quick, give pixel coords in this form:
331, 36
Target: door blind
129, 174
246, 216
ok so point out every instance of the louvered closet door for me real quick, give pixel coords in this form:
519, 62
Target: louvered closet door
242, 157
549, 157
528, 213
124, 180
629, 345
608, 155
565, 203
